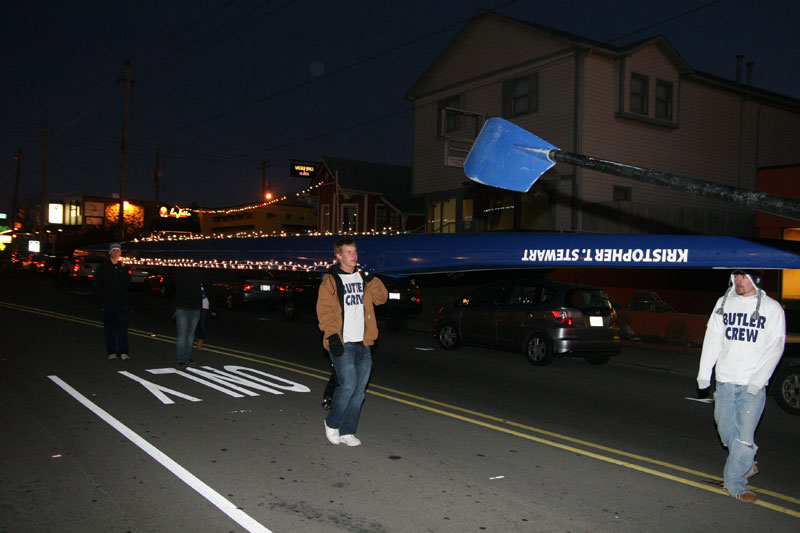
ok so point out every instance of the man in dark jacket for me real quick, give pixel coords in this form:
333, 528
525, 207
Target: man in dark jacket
191, 288
110, 284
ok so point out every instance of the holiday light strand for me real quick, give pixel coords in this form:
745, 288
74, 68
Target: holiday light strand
228, 210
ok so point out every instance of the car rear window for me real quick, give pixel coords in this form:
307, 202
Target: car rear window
587, 299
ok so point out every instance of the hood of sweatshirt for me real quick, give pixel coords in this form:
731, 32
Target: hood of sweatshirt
731, 293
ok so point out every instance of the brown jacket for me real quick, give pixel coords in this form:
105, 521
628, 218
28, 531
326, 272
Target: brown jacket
329, 307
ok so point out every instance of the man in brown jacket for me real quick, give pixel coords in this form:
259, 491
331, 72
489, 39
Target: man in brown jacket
346, 314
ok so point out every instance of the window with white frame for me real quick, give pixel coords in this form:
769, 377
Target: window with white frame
349, 217
326, 218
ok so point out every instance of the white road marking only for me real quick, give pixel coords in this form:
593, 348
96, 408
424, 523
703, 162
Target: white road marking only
701, 400
237, 515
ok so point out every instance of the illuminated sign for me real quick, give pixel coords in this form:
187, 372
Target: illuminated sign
5, 239
56, 215
174, 212
33, 246
302, 169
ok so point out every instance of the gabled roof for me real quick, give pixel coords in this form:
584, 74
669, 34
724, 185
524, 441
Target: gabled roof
393, 182
597, 47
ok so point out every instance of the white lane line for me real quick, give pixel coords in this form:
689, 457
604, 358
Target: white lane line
237, 515
701, 400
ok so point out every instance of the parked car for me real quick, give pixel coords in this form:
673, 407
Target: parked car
232, 287
84, 267
159, 280
785, 381
138, 275
57, 266
299, 297
544, 319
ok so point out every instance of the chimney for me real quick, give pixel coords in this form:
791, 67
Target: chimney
749, 74
739, 59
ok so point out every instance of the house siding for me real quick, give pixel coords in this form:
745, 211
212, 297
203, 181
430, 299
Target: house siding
718, 132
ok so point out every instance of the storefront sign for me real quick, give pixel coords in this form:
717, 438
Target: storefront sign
174, 212
302, 169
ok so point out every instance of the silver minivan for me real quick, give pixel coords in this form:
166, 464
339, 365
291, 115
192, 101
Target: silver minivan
543, 319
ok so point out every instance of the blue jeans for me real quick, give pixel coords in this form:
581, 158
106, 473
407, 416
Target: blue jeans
186, 320
115, 320
353, 368
737, 414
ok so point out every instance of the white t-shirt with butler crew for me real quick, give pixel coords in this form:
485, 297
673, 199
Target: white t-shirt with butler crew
353, 301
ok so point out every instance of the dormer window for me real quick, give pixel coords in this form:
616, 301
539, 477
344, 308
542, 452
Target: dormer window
639, 92
663, 100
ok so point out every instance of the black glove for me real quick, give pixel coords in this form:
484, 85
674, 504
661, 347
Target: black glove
704, 393
335, 345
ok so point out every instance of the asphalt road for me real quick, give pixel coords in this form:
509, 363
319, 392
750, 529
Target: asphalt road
465, 440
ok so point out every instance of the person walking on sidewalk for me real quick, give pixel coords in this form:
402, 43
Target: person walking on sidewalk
110, 283
346, 314
744, 341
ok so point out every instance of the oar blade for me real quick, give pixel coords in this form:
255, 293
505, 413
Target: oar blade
507, 156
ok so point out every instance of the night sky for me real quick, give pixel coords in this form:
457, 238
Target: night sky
221, 85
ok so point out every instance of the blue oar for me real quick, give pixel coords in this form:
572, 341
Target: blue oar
509, 157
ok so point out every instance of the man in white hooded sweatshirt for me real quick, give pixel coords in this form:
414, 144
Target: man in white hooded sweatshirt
744, 341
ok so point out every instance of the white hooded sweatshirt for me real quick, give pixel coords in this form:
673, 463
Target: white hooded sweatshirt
744, 340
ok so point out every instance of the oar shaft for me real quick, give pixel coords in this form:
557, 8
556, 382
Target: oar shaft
769, 203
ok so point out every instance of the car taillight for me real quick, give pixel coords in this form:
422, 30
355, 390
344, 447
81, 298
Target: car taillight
562, 316
416, 297
247, 286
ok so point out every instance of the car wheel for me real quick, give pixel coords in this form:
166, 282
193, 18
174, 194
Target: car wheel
290, 311
447, 335
539, 350
786, 384
598, 358
229, 303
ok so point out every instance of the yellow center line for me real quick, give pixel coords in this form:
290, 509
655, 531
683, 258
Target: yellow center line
452, 411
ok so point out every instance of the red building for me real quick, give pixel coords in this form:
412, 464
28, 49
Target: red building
359, 196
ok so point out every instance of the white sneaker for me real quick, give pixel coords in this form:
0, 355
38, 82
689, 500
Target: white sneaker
332, 434
350, 440
124, 357
112, 356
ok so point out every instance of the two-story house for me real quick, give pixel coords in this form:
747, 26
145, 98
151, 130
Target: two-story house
640, 104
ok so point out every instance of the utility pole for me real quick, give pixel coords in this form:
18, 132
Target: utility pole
126, 108
264, 183
43, 195
155, 175
19, 159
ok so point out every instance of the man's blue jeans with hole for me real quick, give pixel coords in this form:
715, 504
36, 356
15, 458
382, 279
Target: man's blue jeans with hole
353, 368
737, 414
